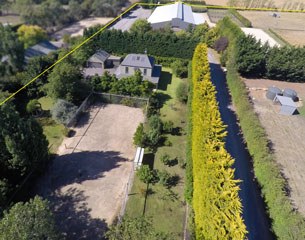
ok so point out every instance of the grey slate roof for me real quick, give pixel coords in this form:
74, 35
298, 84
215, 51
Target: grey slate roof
138, 60
100, 56
40, 49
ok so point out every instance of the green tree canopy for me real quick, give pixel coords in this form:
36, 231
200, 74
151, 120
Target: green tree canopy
135, 228
65, 82
32, 220
29, 35
23, 148
140, 26
12, 50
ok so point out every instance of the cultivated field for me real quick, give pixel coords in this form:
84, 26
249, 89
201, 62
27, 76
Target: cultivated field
280, 4
77, 29
286, 134
289, 26
86, 183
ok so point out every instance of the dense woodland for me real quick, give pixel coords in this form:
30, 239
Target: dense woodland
287, 223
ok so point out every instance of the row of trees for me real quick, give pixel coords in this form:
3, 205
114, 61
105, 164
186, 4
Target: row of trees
286, 222
139, 41
216, 203
278, 63
50, 13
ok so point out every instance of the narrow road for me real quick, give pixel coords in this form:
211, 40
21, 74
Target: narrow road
254, 214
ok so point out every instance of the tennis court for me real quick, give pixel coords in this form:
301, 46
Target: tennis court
87, 181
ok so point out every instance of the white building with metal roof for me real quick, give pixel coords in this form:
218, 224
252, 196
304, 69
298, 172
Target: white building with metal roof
177, 15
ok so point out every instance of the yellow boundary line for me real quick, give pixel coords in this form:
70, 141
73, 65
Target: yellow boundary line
119, 16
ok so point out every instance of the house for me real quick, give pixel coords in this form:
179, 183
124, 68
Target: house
100, 62
177, 15
142, 62
41, 49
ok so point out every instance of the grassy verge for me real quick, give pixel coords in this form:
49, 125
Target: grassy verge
278, 38
166, 207
53, 131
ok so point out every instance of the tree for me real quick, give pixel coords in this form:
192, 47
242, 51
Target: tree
33, 107
165, 159
168, 126
65, 82
145, 174
182, 92
140, 26
180, 68
63, 111
135, 228
139, 136
164, 178
200, 31
23, 148
32, 220
12, 50
29, 35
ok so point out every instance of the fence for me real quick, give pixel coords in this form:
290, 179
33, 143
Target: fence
95, 97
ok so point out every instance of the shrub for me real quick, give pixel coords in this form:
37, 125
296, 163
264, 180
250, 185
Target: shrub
168, 126
63, 111
33, 107
164, 178
139, 136
145, 174
182, 92
180, 68
165, 159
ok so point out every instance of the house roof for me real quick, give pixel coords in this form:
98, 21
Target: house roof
40, 49
138, 60
177, 10
99, 56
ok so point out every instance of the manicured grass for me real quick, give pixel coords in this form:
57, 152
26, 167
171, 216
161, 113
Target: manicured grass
166, 207
52, 130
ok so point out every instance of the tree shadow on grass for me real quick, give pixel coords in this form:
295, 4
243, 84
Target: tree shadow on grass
165, 80
163, 98
72, 216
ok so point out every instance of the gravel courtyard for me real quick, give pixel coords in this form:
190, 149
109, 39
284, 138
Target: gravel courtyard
87, 181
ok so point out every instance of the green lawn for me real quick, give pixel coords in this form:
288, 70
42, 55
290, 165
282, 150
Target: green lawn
52, 130
165, 207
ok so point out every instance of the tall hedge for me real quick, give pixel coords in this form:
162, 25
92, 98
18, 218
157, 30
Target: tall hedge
216, 203
286, 222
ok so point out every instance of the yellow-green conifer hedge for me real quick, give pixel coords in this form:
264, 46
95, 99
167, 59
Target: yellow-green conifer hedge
216, 203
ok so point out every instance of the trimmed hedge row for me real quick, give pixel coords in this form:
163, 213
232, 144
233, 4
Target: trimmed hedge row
216, 203
286, 222
246, 22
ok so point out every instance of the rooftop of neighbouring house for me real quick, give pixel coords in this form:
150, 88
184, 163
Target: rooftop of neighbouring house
138, 60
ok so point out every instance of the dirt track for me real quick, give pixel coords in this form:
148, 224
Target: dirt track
87, 181
286, 134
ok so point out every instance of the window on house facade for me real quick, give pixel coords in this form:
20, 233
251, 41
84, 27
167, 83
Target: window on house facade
145, 71
126, 70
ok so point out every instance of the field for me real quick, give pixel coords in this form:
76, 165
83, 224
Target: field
87, 181
165, 206
286, 135
10, 19
281, 4
77, 28
289, 26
